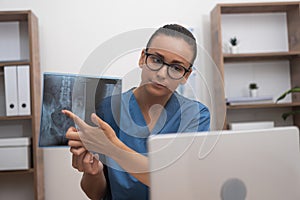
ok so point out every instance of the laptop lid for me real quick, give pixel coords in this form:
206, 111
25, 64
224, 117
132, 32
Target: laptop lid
227, 165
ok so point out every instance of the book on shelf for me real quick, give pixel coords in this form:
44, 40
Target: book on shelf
251, 125
249, 100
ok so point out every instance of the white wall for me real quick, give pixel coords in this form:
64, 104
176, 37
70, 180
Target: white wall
71, 29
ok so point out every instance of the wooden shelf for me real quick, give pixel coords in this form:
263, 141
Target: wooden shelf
261, 106
290, 10
7, 118
242, 57
14, 63
266, 7
8, 16
29, 171
28, 32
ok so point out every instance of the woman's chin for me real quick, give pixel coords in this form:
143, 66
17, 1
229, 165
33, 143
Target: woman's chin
158, 90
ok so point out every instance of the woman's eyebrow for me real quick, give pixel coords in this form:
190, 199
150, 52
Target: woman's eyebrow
173, 61
158, 54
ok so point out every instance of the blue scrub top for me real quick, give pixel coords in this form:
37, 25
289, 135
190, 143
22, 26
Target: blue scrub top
180, 115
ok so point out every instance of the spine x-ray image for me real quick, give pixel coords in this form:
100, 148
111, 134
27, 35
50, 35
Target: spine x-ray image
79, 94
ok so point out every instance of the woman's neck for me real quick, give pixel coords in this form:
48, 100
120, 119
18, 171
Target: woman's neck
151, 106
146, 100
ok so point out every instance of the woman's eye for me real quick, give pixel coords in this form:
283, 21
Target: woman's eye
157, 60
177, 68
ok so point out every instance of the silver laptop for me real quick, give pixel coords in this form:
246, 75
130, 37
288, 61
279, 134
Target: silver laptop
226, 165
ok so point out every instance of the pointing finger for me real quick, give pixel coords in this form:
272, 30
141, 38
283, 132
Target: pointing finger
79, 122
68, 113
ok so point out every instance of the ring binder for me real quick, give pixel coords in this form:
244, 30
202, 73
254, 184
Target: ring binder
23, 90
11, 90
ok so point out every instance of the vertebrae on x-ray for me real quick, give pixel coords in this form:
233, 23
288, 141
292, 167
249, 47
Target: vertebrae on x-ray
64, 103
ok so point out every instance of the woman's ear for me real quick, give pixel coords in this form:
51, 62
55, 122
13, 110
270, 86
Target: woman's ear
142, 58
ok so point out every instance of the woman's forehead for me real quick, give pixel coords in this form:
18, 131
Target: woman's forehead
174, 45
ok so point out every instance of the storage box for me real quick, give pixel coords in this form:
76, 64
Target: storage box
15, 153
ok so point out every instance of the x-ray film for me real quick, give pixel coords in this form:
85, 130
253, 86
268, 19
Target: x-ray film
79, 94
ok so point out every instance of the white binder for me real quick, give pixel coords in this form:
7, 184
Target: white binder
11, 90
23, 90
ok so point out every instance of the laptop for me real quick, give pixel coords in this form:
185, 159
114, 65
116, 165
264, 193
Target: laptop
226, 165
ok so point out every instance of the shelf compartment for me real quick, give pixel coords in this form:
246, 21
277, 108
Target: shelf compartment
19, 127
14, 40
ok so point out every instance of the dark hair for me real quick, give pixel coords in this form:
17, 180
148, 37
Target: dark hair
177, 31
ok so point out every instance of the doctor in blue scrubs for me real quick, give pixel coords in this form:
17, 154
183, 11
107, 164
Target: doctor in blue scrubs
154, 107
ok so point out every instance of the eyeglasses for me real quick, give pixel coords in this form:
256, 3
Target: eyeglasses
175, 71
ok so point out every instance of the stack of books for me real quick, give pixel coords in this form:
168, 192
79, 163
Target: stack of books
249, 100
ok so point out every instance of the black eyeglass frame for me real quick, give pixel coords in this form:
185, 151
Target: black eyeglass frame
168, 65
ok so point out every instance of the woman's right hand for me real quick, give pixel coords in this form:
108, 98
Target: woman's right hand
82, 160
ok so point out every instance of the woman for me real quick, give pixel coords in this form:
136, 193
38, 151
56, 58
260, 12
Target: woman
153, 107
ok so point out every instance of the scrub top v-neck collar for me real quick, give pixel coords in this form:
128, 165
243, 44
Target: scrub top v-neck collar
138, 117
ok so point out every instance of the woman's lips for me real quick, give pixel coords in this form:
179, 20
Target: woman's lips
158, 85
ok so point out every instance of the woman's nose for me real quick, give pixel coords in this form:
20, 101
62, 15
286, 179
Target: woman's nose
163, 72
